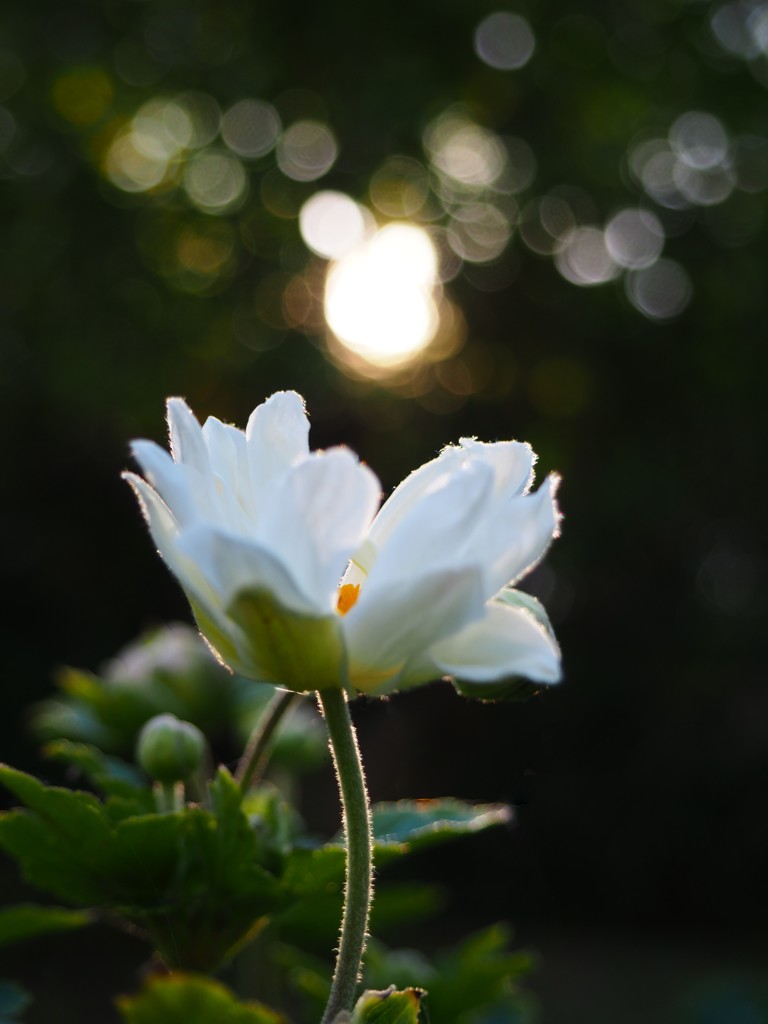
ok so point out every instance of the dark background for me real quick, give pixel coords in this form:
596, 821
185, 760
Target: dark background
637, 865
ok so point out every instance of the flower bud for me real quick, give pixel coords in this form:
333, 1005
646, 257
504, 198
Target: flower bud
168, 749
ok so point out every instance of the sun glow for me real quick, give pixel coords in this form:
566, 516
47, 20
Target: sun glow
380, 296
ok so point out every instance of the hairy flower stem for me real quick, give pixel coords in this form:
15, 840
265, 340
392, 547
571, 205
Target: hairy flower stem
256, 754
356, 810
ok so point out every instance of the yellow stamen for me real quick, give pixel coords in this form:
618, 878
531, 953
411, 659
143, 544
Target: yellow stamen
348, 595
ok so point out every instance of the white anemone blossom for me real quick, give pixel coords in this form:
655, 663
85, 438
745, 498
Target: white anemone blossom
295, 579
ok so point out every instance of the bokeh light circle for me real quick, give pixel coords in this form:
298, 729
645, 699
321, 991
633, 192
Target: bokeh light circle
660, 292
699, 140
584, 259
215, 181
306, 151
634, 238
504, 41
332, 224
251, 128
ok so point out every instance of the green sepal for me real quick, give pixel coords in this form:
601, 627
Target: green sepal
512, 690
299, 652
388, 1007
26, 920
192, 999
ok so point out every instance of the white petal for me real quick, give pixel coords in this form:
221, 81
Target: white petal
519, 534
507, 642
187, 444
165, 532
510, 461
168, 478
232, 564
318, 516
277, 435
227, 452
387, 628
433, 533
162, 524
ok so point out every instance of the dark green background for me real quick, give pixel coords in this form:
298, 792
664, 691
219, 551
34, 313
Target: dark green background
638, 864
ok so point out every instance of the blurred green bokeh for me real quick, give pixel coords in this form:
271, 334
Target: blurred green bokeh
594, 182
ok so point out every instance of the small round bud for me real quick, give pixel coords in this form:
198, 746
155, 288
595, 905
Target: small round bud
168, 749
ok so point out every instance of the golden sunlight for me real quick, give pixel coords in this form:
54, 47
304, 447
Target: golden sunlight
380, 296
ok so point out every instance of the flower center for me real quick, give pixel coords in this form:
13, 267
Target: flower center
348, 595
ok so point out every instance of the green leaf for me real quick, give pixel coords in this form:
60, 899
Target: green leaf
477, 981
27, 920
63, 845
314, 881
388, 1007
480, 976
418, 823
195, 880
109, 774
211, 891
191, 999
13, 1001
404, 903
308, 871
314, 878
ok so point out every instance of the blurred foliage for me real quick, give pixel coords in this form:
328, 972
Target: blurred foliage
187, 999
200, 880
13, 1001
169, 670
478, 980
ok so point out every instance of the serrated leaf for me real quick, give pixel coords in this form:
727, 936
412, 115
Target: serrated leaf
193, 879
419, 823
211, 891
191, 999
60, 842
388, 1007
27, 920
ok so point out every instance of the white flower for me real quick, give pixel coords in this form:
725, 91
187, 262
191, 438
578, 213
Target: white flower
294, 579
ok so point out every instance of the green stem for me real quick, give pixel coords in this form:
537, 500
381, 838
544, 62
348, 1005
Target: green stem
357, 831
169, 797
256, 754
